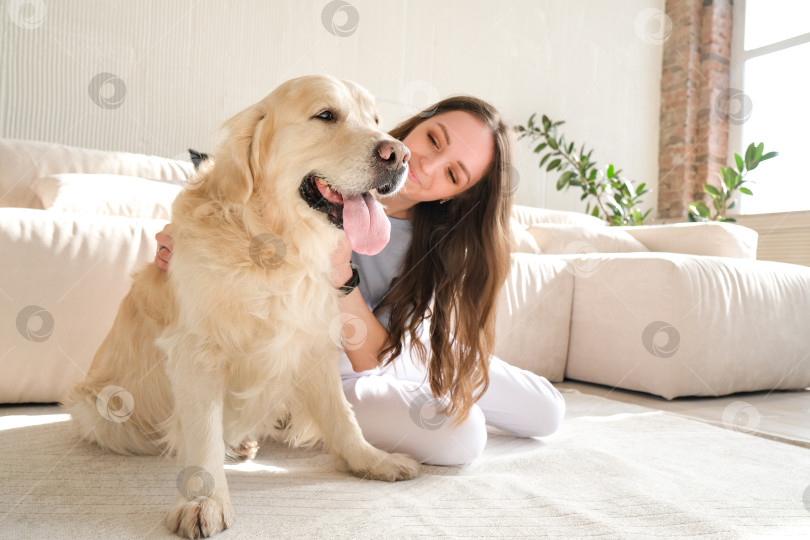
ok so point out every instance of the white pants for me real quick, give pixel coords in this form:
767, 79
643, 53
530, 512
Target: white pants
398, 413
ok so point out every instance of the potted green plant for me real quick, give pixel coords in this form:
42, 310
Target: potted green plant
610, 196
731, 181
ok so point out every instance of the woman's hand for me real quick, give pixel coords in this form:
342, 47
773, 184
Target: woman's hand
165, 246
341, 266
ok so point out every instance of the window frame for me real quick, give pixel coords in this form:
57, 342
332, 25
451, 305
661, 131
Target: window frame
739, 56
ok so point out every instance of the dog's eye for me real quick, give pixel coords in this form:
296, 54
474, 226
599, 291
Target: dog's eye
326, 115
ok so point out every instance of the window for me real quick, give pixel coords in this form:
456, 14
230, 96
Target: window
770, 68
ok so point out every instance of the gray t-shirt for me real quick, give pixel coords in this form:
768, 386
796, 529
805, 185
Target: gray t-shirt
377, 272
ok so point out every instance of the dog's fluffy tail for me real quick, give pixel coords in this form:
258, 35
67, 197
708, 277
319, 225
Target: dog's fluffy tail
105, 417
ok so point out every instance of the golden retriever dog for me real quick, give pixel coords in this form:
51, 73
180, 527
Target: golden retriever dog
233, 343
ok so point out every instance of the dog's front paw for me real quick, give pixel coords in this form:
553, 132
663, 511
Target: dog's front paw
199, 518
246, 450
387, 467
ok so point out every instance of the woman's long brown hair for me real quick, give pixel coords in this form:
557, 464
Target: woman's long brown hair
453, 270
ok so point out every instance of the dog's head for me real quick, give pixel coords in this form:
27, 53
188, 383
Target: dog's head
314, 145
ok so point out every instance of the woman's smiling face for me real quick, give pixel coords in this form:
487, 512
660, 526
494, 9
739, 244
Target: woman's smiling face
450, 152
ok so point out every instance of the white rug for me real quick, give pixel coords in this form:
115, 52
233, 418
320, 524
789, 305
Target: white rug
615, 470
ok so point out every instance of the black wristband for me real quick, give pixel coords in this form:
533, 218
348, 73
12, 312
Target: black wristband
352, 284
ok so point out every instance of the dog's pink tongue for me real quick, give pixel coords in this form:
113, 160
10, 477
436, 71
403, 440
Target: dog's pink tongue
365, 224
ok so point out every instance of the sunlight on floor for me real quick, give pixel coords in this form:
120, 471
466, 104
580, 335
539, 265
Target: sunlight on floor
24, 420
619, 416
252, 466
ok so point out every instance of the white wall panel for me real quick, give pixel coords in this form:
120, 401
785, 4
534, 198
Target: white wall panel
186, 65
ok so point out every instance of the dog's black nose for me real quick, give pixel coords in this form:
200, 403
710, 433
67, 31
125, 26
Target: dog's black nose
393, 153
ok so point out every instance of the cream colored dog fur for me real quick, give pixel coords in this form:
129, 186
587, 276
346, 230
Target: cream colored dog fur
232, 344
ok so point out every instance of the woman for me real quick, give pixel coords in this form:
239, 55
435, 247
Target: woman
422, 380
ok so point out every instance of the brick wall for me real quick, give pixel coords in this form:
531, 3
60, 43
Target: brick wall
694, 96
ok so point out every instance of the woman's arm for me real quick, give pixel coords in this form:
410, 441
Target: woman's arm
363, 352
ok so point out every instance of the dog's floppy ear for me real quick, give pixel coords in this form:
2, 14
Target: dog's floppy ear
237, 156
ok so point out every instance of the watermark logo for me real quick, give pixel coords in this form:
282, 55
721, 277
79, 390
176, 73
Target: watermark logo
511, 182
115, 404
653, 26
194, 482
420, 97
34, 323
427, 411
108, 91
741, 416
582, 267
267, 251
28, 14
733, 105
340, 18
348, 331
659, 331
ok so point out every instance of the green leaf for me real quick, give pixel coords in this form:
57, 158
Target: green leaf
570, 148
546, 123
564, 178
769, 155
627, 187
554, 163
595, 212
711, 190
740, 163
728, 220
640, 189
543, 161
745, 190
553, 143
540, 147
749, 155
610, 171
730, 177
700, 209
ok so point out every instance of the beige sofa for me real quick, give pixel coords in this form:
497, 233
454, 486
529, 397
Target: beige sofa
670, 310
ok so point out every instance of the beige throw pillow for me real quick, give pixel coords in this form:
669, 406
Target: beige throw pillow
554, 239
107, 194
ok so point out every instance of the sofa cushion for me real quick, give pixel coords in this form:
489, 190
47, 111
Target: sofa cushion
22, 162
107, 194
523, 240
533, 315
564, 239
530, 215
684, 325
711, 238
62, 277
